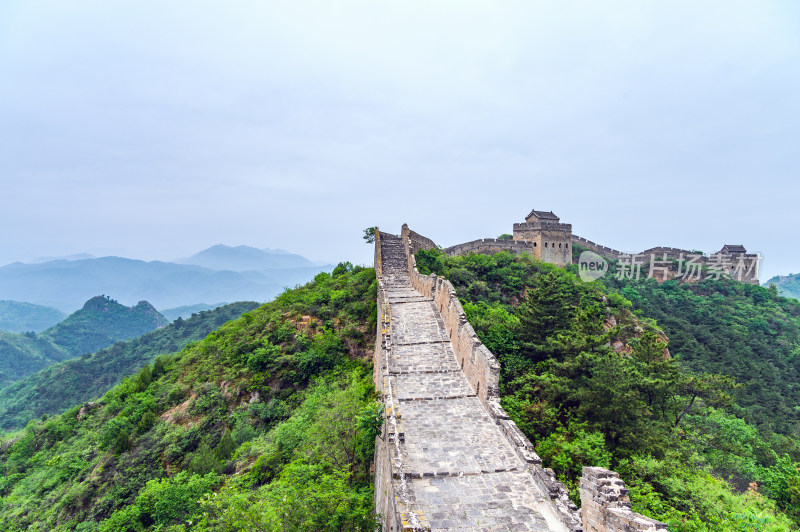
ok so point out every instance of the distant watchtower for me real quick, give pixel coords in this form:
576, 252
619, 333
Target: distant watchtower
551, 240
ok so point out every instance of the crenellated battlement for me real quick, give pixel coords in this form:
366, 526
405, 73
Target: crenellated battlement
544, 236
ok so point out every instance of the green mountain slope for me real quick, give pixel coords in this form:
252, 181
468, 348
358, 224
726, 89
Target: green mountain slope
20, 317
100, 323
23, 354
186, 311
273, 412
788, 285
737, 329
65, 384
585, 375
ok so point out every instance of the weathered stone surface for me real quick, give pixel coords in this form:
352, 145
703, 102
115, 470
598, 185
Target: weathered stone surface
605, 506
449, 458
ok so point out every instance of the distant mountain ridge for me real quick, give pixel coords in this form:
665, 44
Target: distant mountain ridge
100, 323
238, 274
245, 258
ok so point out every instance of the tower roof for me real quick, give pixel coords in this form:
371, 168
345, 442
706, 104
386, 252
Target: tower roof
733, 248
542, 215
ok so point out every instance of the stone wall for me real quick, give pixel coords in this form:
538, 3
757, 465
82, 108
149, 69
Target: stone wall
483, 373
416, 241
605, 506
391, 501
597, 248
477, 362
670, 263
489, 246
551, 241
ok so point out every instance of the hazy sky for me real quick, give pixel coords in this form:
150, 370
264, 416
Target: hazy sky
156, 129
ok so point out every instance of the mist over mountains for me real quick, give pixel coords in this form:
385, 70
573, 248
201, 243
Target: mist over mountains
219, 273
246, 258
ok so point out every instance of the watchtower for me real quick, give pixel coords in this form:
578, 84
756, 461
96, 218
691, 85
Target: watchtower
551, 240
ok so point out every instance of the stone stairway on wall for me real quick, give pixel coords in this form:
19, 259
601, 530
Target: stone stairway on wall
449, 457
452, 466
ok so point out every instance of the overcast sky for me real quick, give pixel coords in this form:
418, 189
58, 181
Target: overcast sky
155, 129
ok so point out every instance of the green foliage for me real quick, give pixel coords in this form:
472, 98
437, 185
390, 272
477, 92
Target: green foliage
308, 476
734, 329
20, 317
219, 414
146, 422
226, 446
369, 234
62, 385
100, 323
123, 442
587, 377
163, 502
304, 497
785, 285
568, 449
204, 461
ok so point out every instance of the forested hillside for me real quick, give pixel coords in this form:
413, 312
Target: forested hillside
736, 329
100, 323
65, 384
787, 285
268, 423
186, 311
19, 317
585, 375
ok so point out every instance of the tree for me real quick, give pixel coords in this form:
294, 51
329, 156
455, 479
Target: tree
226, 446
146, 423
158, 368
123, 442
144, 379
369, 234
204, 460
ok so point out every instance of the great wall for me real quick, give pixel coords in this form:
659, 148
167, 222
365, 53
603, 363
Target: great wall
449, 457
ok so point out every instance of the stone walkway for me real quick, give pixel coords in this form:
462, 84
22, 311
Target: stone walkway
458, 470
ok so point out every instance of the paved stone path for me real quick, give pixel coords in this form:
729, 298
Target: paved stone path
464, 475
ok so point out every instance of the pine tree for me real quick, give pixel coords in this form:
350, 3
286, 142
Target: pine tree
158, 368
123, 442
548, 309
226, 446
144, 379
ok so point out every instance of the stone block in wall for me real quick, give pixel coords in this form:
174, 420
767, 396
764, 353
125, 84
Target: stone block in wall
605, 506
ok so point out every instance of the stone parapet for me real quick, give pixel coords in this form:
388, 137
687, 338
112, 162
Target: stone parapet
483, 373
597, 248
605, 506
546, 226
489, 246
